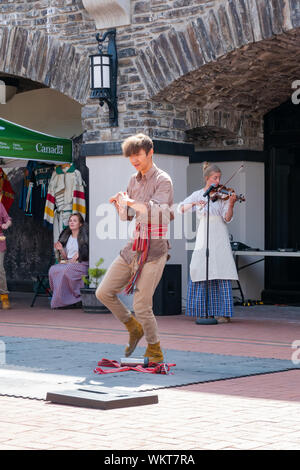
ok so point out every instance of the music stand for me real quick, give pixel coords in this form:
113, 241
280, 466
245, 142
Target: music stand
207, 320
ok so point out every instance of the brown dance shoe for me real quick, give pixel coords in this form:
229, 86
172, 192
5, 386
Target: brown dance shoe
136, 332
154, 353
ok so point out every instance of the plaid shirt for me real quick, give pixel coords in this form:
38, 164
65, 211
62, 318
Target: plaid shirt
155, 190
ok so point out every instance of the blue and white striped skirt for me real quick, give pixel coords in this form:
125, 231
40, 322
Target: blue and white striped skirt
220, 301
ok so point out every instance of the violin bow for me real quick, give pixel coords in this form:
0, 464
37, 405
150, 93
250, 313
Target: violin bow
232, 176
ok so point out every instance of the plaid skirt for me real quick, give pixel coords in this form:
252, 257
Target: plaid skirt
220, 301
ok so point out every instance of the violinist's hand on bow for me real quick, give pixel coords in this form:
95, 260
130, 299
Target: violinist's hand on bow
199, 203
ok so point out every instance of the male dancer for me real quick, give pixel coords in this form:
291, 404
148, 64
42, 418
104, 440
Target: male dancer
140, 265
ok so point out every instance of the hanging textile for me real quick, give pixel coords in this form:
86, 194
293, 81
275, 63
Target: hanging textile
35, 187
65, 197
7, 194
42, 175
25, 202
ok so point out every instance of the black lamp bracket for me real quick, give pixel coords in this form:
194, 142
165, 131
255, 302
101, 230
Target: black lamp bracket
109, 96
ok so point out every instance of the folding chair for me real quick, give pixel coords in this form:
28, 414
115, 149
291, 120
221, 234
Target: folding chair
41, 287
240, 289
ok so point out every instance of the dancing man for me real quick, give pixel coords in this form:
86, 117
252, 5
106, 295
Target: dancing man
139, 267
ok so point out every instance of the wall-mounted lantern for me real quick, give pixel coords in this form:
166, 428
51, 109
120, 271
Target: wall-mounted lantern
103, 75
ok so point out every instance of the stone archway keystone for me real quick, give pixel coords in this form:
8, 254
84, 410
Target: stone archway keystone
108, 13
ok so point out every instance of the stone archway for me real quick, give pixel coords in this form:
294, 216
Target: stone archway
217, 128
237, 59
227, 27
41, 58
38, 61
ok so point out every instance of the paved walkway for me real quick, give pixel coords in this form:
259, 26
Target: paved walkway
258, 412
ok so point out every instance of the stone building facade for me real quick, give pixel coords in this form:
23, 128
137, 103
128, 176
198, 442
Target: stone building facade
198, 76
189, 70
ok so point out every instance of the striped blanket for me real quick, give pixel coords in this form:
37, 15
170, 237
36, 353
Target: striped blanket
65, 193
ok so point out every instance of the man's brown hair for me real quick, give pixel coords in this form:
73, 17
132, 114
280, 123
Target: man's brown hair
132, 145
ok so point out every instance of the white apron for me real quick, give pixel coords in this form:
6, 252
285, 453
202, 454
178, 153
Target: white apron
221, 263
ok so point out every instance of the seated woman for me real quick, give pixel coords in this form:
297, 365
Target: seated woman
65, 278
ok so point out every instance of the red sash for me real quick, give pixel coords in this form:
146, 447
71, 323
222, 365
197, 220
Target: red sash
143, 234
153, 367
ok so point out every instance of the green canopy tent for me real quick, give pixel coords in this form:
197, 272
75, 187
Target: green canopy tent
23, 144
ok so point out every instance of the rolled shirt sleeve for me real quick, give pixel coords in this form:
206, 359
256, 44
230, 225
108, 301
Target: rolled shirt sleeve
196, 196
159, 207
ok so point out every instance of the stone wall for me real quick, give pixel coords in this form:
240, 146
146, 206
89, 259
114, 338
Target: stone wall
187, 68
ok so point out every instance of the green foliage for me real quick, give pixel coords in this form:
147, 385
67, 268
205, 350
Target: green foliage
94, 275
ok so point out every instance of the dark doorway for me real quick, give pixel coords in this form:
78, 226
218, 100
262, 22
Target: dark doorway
282, 143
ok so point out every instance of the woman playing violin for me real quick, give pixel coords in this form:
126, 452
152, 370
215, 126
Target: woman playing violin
222, 267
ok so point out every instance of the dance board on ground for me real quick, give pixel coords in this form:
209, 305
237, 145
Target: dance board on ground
102, 398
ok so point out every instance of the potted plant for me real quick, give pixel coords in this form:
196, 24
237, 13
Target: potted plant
90, 303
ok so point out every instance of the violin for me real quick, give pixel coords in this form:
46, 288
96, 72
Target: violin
223, 193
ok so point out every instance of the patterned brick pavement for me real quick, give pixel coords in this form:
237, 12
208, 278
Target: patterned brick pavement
258, 412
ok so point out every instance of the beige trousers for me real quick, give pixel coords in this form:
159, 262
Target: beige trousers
116, 279
3, 284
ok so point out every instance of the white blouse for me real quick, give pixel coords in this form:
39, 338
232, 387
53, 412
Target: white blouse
221, 262
218, 207
71, 247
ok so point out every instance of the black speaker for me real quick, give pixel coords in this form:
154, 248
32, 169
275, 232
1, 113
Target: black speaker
167, 296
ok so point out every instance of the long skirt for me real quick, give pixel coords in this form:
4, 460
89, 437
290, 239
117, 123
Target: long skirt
65, 282
220, 301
